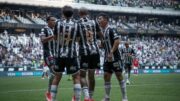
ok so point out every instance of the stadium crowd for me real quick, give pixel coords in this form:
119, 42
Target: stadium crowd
137, 3
27, 50
151, 51
123, 22
157, 51
20, 50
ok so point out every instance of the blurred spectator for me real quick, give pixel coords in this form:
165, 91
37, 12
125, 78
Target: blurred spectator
20, 50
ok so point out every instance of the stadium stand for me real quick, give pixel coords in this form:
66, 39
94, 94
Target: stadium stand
20, 27
138, 3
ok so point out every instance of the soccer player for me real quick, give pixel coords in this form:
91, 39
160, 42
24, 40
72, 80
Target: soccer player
128, 55
66, 33
136, 65
112, 57
48, 42
89, 52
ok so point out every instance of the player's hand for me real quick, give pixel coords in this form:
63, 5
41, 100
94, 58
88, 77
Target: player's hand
110, 57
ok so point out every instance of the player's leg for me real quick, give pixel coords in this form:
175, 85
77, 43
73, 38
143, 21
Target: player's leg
83, 71
94, 64
43, 75
122, 84
91, 82
135, 70
57, 70
77, 86
54, 86
73, 68
118, 72
50, 61
129, 73
107, 80
126, 67
129, 70
69, 77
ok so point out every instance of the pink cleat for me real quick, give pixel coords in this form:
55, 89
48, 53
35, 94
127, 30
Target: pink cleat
88, 100
73, 98
48, 96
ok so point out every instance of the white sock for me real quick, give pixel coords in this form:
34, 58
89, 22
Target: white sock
85, 92
107, 89
77, 92
54, 92
126, 77
51, 77
123, 89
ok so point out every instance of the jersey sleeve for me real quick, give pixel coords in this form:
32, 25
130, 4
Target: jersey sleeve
42, 32
114, 34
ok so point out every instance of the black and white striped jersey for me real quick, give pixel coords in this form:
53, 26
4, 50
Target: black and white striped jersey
66, 33
110, 35
88, 36
125, 57
48, 47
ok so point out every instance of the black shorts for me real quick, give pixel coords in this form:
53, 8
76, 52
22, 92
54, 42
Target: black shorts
71, 65
90, 62
111, 67
50, 61
127, 66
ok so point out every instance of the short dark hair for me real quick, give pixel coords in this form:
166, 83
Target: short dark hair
83, 11
67, 11
49, 17
105, 16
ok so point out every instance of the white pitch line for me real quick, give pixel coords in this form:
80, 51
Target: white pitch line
98, 87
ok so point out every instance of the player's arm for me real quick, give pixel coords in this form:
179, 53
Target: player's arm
116, 39
43, 37
114, 35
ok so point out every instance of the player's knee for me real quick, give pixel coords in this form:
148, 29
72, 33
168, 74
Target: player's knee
82, 74
107, 77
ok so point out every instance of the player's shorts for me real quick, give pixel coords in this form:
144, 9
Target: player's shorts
115, 66
71, 65
127, 66
50, 61
90, 62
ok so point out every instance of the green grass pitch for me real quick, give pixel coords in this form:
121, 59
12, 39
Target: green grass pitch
144, 87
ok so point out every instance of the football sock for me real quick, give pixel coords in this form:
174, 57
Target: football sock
77, 92
107, 89
85, 92
50, 82
54, 92
123, 89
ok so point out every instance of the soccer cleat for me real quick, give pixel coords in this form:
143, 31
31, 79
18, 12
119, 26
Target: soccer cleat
88, 100
106, 99
91, 99
48, 96
128, 82
73, 98
124, 99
